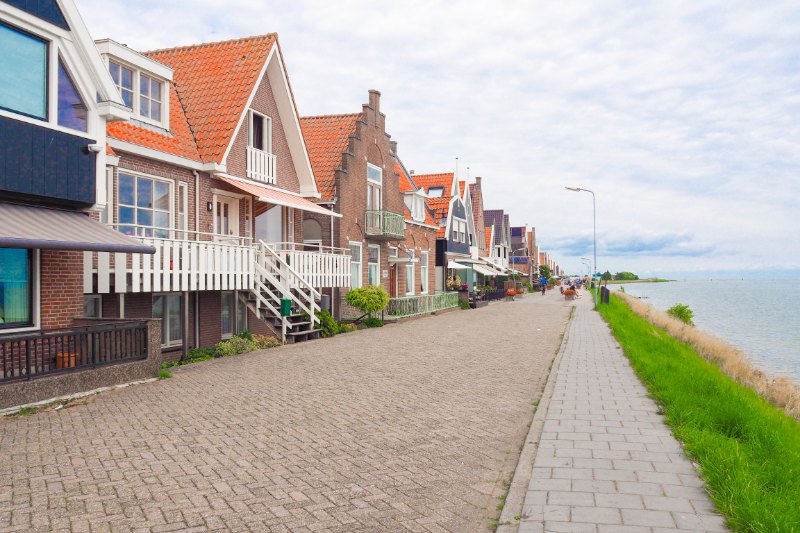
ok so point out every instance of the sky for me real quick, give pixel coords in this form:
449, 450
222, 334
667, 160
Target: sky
681, 116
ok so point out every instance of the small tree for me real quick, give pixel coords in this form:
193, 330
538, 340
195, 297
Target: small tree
607, 275
544, 271
682, 313
369, 300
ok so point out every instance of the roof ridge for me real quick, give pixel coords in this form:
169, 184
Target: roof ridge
340, 115
212, 43
188, 122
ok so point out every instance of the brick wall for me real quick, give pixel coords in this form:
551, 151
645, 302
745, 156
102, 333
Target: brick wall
61, 287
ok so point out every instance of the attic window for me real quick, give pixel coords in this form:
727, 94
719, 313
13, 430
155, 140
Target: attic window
145, 94
435, 192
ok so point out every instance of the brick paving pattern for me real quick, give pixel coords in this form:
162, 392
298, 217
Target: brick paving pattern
411, 427
606, 461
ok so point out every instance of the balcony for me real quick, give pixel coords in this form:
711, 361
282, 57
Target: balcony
385, 225
261, 165
320, 266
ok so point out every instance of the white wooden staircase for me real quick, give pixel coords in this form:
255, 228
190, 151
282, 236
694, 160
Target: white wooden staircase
275, 280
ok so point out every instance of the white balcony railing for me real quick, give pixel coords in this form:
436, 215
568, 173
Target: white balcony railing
321, 266
260, 165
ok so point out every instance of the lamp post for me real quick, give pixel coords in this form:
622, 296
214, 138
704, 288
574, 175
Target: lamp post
594, 236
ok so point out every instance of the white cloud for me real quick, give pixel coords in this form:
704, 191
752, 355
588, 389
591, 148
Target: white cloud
682, 116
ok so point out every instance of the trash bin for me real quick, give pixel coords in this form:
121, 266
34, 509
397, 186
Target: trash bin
325, 302
286, 307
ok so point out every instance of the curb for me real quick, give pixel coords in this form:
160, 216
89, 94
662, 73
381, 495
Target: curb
515, 499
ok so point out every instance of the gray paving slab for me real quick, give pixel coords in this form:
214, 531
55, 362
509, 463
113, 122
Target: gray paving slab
606, 460
411, 427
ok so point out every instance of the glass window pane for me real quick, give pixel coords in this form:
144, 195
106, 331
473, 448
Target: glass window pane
127, 215
162, 196
144, 107
144, 217
155, 90
355, 253
126, 78
113, 68
126, 187
23, 64
15, 287
127, 98
155, 110
241, 315
355, 275
144, 85
144, 193
72, 112
158, 307
374, 253
258, 132
374, 173
161, 219
227, 325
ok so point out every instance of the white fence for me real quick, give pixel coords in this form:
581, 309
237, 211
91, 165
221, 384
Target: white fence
260, 165
177, 265
321, 267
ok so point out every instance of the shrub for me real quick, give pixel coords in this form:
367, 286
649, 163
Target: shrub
245, 334
528, 285
370, 299
463, 304
682, 313
327, 323
234, 346
192, 356
346, 328
372, 322
262, 342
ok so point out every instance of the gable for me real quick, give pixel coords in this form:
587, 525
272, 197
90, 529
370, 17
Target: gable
326, 138
47, 10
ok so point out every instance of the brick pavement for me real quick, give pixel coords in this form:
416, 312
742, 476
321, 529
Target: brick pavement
606, 461
411, 427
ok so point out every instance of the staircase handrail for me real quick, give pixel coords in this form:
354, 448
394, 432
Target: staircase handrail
293, 272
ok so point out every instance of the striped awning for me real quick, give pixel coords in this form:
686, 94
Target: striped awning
25, 226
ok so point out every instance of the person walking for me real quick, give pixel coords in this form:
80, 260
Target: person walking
543, 281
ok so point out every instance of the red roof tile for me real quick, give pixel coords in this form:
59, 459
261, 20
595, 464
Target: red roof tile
461, 185
326, 138
178, 141
214, 81
489, 238
406, 185
439, 205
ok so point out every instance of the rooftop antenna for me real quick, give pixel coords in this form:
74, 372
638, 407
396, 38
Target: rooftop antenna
467, 174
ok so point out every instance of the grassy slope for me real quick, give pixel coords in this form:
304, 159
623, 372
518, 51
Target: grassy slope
748, 451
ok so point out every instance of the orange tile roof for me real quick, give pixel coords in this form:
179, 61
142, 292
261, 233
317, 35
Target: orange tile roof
326, 138
461, 185
178, 141
214, 81
444, 180
488, 239
406, 185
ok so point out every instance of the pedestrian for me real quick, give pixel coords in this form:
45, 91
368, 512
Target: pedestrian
543, 281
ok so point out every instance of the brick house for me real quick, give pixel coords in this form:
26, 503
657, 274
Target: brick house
501, 241
56, 99
213, 172
384, 226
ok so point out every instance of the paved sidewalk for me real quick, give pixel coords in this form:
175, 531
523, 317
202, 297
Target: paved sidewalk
606, 461
410, 427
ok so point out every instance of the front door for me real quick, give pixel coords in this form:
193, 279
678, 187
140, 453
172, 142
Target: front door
393, 281
226, 217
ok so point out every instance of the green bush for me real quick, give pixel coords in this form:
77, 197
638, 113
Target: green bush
463, 304
369, 300
192, 356
234, 346
372, 322
263, 342
682, 313
345, 328
528, 285
245, 334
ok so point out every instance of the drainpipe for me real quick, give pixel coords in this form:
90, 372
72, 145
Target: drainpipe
334, 290
196, 205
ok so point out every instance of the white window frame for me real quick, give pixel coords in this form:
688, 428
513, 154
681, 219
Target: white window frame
183, 210
267, 140
393, 251
171, 343
373, 187
410, 268
375, 266
360, 277
151, 80
137, 175
423, 271
137, 73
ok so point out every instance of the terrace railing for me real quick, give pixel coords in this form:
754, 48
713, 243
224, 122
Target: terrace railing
385, 225
260, 165
491, 295
28, 355
404, 306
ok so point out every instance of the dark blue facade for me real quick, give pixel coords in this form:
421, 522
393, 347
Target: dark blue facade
44, 9
42, 165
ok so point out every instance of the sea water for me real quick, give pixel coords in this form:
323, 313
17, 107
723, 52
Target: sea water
760, 317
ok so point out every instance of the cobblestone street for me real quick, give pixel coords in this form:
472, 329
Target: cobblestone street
411, 427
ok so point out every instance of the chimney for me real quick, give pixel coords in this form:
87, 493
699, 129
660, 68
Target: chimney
411, 171
393, 147
375, 100
478, 182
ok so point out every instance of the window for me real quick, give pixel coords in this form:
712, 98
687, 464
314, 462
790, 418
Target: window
374, 186
183, 208
23, 63
373, 264
72, 112
241, 315
167, 307
260, 132
144, 206
435, 192
355, 265
393, 251
149, 97
410, 273
16, 287
92, 306
228, 302
123, 79
423, 272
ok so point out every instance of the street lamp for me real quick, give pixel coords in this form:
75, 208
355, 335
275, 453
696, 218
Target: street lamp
594, 237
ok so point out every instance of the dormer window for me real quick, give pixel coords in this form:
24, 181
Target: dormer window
435, 192
260, 132
123, 79
149, 97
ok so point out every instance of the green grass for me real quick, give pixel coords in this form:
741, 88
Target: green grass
748, 451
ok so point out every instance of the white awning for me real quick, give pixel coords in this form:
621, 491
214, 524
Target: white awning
485, 271
457, 266
276, 197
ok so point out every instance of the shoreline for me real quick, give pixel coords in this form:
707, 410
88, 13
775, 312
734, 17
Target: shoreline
645, 280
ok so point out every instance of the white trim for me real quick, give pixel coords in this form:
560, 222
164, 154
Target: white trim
424, 267
228, 193
136, 149
267, 141
165, 324
136, 59
360, 263
376, 265
172, 211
